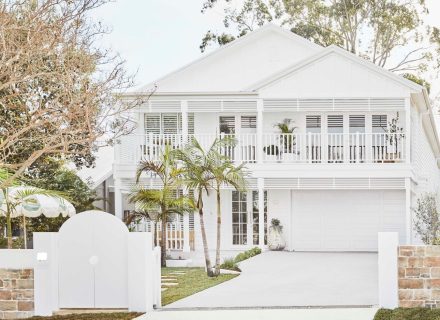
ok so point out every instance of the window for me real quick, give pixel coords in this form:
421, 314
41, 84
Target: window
167, 123
313, 124
239, 218
335, 124
249, 122
227, 124
380, 123
357, 123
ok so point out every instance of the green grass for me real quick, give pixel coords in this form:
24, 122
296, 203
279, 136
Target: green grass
194, 280
94, 316
408, 314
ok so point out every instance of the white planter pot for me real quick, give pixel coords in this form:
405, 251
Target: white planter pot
275, 240
290, 157
178, 263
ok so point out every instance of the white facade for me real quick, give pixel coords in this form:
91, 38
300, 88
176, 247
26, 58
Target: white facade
340, 178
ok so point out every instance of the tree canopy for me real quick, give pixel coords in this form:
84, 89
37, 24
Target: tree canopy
60, 93
390, 33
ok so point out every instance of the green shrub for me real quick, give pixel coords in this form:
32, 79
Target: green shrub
230, 264
408, 314
247, 254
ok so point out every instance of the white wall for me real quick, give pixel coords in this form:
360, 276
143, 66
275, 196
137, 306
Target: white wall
17, 258
279, 207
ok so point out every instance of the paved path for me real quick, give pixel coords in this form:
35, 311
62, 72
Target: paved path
288, 279
266, 314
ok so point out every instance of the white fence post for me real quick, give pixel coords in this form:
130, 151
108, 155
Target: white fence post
140, 271
157, 278
46, 273
388, 243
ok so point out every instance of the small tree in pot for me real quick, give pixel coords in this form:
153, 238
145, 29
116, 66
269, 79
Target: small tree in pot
287, 139
275, 239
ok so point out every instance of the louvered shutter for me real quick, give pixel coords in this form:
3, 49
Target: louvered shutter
313, 124
335, 123
227, 125
380, 123
357, 123
249, 122
170, 123
191, 123
152, 123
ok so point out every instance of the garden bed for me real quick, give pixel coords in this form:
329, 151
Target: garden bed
408, 314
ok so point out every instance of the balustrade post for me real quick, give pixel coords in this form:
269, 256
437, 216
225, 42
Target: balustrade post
259, 146
357, 148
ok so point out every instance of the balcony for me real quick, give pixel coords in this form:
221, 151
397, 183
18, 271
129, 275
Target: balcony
301, 148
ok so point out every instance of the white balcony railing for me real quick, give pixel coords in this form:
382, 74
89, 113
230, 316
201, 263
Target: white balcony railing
278, 148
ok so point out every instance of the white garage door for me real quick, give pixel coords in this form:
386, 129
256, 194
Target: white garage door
345, 220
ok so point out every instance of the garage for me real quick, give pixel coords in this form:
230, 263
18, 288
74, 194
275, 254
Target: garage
345, 220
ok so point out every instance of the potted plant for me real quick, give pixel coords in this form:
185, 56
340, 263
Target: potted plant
272, 152
275, 240
287, 140
394, 134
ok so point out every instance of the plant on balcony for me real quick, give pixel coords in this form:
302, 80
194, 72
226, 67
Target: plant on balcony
275, 238
165, 202
287, 139
394, 134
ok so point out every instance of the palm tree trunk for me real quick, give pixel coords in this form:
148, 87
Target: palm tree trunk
219, 225
9, 228
205, 245
155, 233
163, 244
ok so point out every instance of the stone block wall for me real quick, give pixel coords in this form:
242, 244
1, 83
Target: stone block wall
16, 293
419, 276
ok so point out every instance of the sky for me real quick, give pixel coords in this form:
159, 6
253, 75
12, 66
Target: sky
156, 37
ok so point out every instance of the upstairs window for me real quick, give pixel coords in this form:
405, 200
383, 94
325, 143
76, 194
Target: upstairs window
357, 123
335, 124
313, 124
380, 123
167, 123
227, 124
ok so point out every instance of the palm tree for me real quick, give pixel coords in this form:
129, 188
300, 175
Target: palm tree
166, 202
225, 173
206, 170
195, 161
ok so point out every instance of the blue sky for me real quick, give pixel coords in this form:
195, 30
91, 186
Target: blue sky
156, 37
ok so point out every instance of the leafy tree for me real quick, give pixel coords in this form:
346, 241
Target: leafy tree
390, 33
165, 202
427, 223
60, 94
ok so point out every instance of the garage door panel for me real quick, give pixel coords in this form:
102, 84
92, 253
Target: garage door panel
345, 220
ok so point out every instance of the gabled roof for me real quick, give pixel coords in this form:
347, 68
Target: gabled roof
332, 49
254, 35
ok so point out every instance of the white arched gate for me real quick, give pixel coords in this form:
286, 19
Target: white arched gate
93, 270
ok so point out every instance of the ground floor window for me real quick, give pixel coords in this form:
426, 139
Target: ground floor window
245, 218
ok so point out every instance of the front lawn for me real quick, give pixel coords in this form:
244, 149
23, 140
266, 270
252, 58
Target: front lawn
189, 281
94, 316
408, 314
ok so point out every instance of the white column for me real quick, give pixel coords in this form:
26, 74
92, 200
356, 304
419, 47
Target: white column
186, 246
260, 107
119, 206
368, 138
184, 110
407, 141
408, 213
388, 269
261, 212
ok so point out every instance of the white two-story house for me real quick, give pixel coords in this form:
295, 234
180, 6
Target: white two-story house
364, 147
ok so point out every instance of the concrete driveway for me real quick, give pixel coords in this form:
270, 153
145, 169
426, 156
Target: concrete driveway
295, 279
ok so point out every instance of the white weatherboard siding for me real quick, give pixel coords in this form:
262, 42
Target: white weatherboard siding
345, 220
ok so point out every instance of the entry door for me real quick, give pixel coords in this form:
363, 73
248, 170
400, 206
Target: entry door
245, 218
